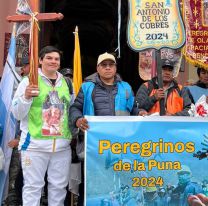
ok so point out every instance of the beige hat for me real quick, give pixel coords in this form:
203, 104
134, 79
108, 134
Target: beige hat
105, 56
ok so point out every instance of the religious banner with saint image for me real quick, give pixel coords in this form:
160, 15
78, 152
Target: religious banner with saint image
22, 46
155, 24
147, 63
196, 18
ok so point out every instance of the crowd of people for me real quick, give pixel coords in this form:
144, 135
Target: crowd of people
51, 117
167, 195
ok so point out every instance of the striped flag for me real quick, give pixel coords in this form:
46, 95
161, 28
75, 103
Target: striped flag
7, 120
9, 81
77, 70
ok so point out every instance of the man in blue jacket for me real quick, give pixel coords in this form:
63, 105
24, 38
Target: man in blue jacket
103, 94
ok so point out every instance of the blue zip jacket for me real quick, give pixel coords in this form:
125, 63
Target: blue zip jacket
96, 99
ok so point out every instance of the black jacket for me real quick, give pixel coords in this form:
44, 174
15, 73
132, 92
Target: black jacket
103, 99
146, 102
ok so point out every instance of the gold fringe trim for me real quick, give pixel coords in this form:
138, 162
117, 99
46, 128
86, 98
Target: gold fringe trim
195, 62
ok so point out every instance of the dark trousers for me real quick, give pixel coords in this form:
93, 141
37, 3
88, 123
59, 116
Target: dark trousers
81, 187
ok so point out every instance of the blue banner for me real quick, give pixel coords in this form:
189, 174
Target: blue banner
150, 161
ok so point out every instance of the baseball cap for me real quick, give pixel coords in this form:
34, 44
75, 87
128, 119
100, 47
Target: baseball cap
66, 71
105, 56
167, 63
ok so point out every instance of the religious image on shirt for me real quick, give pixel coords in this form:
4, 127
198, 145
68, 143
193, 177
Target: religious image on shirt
52, 115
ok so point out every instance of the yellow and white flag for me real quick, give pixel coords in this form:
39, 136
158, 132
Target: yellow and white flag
77, 70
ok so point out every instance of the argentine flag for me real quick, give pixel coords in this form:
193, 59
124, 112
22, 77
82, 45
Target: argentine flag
7, 121
9, 81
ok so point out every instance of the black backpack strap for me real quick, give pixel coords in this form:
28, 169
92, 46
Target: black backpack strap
151, 84
93, 94
150, 87
69, 84
179, 91
178, 88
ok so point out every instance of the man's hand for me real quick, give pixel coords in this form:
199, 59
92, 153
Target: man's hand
198, 200
159, 94
82, 124
31, 91
207, 99
143, 113
13, 143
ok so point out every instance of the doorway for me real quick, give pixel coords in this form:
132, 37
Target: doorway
97, 22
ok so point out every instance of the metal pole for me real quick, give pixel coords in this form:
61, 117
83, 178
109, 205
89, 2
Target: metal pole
160, 81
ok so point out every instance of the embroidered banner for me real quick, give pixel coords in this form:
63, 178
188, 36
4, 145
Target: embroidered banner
147, 161
174, 55
147, 64
22, 43
155, 24
196, 18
